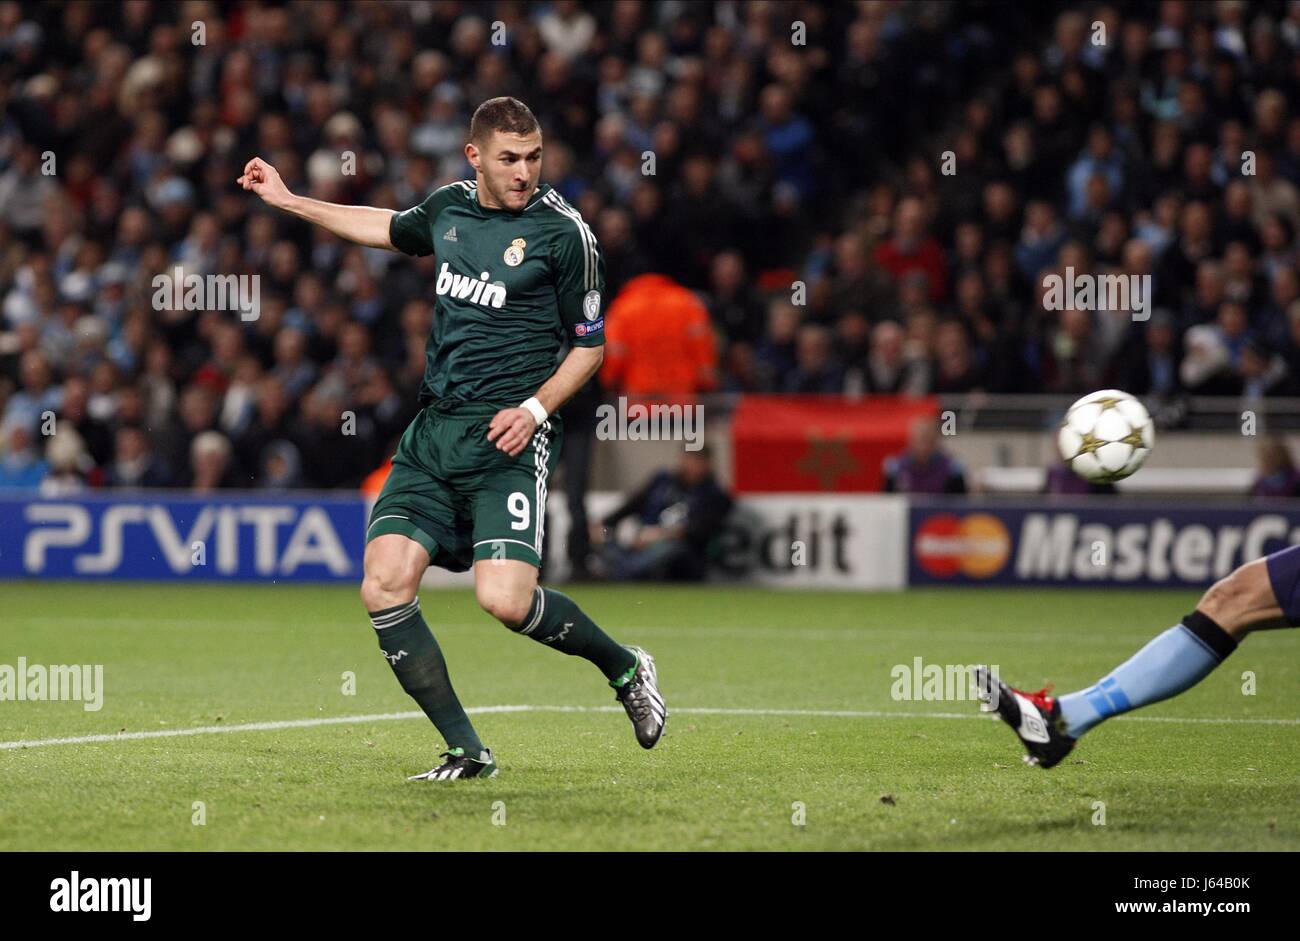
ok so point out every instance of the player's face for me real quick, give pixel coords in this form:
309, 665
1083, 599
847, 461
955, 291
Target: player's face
510, 166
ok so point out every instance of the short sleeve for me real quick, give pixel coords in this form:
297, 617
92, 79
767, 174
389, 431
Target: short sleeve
579, 272
411, 230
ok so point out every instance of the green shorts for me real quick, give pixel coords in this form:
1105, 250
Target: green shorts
460, 498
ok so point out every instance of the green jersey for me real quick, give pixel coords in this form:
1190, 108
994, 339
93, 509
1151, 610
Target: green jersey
510, 285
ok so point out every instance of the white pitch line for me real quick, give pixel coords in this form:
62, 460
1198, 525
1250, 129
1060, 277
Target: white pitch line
487, 710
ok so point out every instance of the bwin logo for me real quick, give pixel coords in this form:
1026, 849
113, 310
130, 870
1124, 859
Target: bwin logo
474, 290
393, 657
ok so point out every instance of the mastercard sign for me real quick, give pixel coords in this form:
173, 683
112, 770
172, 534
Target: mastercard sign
976, 545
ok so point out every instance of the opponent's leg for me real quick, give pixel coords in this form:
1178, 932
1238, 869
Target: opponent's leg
393, 567
1259, 595
1185, 654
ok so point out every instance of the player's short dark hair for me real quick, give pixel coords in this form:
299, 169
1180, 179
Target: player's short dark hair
501, 114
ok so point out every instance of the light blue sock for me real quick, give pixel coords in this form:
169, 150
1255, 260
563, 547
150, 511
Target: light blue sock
1172, 662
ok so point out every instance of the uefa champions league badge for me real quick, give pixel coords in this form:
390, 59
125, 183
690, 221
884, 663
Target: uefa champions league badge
514, 255
591, 305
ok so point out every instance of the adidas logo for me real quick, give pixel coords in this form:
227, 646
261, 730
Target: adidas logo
450, 235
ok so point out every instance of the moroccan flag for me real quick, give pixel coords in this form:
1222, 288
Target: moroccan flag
816, 443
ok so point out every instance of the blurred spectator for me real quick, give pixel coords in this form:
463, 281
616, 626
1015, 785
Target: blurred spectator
889, 370
852, 337
20, 464
68, 462
1207, 363
1040, 240
1074, 360
774, 357
1291, 344
911, 248
134, 464
856, 282
955, 369
658, 340
1062, 481
197, 413
676, 512
1149, 364
1099, 160
1262, 371
210, 462
736, 306
924, 467
74, 414
1277, 475
36, 393
817, 370
281, 467
24, 192
294, 371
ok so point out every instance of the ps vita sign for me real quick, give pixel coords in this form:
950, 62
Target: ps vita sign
184, 538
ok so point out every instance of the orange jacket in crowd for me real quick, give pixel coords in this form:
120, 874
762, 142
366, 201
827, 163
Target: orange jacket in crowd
658, 340
374, 481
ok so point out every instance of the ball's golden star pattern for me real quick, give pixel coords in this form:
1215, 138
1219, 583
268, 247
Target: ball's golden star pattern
1089, 444
1134, 438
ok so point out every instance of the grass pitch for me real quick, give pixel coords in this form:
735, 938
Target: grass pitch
780, 712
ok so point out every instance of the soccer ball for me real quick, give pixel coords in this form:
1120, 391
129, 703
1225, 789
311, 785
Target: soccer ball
1106, 436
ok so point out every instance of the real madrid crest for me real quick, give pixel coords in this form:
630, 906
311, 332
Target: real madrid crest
514, 255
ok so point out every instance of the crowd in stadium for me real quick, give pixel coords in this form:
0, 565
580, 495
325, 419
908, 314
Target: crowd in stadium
1171, 149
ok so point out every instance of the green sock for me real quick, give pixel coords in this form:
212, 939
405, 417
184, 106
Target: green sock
416, 659
554, 620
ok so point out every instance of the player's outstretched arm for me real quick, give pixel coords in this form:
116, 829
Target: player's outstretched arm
365, 225
511, 428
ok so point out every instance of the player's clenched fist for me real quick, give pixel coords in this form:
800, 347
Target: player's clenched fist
511, 428
261, 178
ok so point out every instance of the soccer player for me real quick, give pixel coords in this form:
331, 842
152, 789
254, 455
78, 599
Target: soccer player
1258, 596
518, 269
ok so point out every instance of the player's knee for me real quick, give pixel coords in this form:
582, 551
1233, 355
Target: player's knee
386, 587
1224, 600
508, 606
